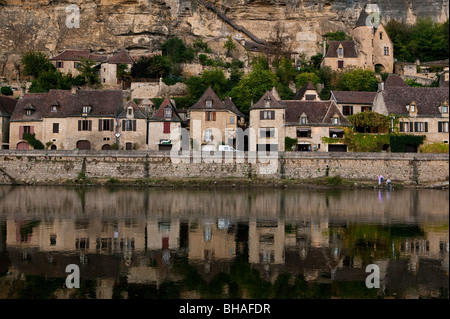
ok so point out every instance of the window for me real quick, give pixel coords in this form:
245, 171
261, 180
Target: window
129, 125
76, 65
340, 64
166, 127
404, 126
303, 120
267, 115
208, 103
54, 108
366, 108
443, 127
208, 135
310, 97
25, 129
55, 127
421, 127
445, 108
84, 125
347, 110
304, 132
130, 111
107, 125
335, 120
168, 113
52, 239
231, 119
412, 108
267, 132
59, 65
386, 50
86, 109
381, 35
267, 102
28, 112
340, 52
210, 116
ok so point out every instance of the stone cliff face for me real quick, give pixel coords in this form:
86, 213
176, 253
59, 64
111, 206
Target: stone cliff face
108, 25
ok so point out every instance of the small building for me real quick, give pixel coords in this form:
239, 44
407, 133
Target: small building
370, 48
352, 102
7, 106
108, 72
132, 128
67, 120
68, 61
214, 122
307, 92
163, 126
420, 110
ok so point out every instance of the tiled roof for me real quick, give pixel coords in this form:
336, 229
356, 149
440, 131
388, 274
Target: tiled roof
121, 57
138, 114
78, 55
160, 113
7, 105
273, 102
427, 99
362, 19
317, 112
394, 80
103, 103
348, 47
301, 92
217, 104
353, 97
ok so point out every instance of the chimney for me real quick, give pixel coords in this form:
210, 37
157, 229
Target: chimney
381, 87
73, 89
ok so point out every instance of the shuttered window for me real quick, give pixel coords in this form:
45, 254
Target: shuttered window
166, 127
84, 125
267, 115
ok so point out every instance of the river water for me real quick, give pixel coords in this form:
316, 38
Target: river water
223, 243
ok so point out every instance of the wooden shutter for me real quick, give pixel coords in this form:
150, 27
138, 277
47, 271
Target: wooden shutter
79, 125
440, 127
166, 127
213, 116
401, 126
21, 132
416, 127
124, 125
272, 115
426, 126
90, 125
261, 115
31, 130
100, 125
206, 116
134, 125
111, 125
411, 126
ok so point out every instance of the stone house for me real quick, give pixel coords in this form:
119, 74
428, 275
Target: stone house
7, 106
163, 126
214, 122
352, 102
307, 92
67, 120
68, 61
132, 127
307, 121
371, 48
108, 68
420, 110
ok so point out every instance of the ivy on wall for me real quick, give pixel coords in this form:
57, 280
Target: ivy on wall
32, 141
289, 143
398, 142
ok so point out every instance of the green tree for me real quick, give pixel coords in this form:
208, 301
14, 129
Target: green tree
52, 80
88, 72
122, 73
197, 85
304, 77
229, 45
200, 46
252, 87
338, 36
285, 71
6, 90
358, 80
176, 51
34, 63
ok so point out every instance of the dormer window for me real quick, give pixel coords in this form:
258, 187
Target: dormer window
28, 112
208, 103
335, 120
29, 109
412, 107
303, 119
340, 51
445, 108
167, 113
130, 111
267, 102
86, 109
381, 35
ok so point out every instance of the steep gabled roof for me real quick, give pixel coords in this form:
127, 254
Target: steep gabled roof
233, 108
210, 95
121, 57
394, 80
103, 103
348, 47
427, 99
273, 102
160, 113
301, 92
317, 112
7, 105
138, 114
353, 97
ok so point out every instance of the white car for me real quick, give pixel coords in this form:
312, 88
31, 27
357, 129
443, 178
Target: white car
226, 148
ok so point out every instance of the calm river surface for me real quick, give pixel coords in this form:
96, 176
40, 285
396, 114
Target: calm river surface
223, 243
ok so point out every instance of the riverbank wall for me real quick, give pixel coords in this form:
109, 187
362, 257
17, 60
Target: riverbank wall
50, 167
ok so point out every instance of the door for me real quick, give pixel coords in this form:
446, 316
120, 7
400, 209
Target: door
106, 147
129, 146
84, 145
23, 146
